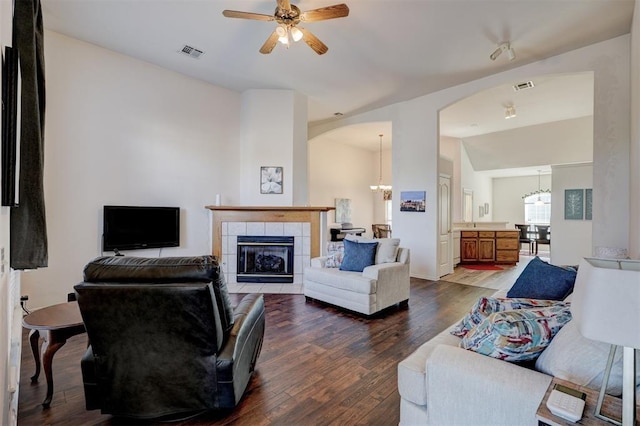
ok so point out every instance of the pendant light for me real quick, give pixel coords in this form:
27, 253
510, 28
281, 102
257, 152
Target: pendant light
380, 186
539, 202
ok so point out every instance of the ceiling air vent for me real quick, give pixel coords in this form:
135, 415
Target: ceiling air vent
192, 52
523, 86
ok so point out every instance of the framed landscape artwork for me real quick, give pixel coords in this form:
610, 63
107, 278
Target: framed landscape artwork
588, 204
413, 201
270, 180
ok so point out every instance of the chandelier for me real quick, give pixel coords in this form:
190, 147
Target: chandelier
380, 187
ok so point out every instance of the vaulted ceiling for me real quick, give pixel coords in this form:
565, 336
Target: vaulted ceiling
384, 52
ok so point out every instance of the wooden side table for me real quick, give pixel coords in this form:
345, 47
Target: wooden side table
612, 407
59, 322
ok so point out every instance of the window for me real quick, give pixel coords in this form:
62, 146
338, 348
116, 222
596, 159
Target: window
538, 211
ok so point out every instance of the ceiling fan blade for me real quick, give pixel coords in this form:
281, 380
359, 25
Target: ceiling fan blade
268, 45
329, 12
247, 15
284, 5
313, 42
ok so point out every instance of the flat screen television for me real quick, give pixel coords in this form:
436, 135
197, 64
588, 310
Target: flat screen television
132, 227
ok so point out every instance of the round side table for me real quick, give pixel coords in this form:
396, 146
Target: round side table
58, 323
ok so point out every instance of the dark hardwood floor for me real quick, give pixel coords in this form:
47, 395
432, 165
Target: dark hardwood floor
319, 365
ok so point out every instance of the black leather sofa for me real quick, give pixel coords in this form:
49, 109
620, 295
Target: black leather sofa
165, 340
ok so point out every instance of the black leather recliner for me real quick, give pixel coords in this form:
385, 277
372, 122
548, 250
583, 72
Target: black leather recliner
165, 339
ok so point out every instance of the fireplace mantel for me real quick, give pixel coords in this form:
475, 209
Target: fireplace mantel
272, 208
315, 216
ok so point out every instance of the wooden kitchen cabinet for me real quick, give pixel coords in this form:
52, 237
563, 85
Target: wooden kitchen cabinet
507, 246
489, 246
486, 249
468, 246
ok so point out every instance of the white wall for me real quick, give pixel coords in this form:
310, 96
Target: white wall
337, 170
570, 239
416, 134
10, 312
300, 173
634, 180
481, 185
123, 131
508, 205
273, 133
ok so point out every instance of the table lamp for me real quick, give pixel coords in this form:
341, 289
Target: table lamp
606, 306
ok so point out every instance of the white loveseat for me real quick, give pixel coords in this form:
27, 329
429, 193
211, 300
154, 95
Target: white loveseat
375, 288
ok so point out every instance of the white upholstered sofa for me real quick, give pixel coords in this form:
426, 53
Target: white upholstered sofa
378, 286
443, 384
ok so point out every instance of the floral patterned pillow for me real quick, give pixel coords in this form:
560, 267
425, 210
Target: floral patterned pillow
519, 335
334, 260
335, 251
486, 306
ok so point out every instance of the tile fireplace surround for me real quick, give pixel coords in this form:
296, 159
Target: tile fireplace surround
308, 226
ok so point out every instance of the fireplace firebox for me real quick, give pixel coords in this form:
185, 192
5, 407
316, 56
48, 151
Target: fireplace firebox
265, 259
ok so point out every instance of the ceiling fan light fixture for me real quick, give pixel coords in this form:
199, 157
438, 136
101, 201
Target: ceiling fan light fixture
296, 34
284, 40
283, 34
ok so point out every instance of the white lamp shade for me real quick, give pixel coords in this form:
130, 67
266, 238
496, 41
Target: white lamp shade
606, 301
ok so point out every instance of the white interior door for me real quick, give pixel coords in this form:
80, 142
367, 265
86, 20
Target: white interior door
445, 249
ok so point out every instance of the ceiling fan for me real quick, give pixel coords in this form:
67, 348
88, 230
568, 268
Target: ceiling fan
288, 16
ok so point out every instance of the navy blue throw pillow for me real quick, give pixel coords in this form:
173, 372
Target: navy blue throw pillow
358, 256
541, 280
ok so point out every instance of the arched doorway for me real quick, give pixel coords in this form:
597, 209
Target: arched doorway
498, 158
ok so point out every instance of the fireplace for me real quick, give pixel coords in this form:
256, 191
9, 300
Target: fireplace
265, 259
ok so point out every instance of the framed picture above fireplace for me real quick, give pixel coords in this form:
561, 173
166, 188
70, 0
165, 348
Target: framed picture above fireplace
270, 180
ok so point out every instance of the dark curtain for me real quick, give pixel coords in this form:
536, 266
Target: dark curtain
28, 226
